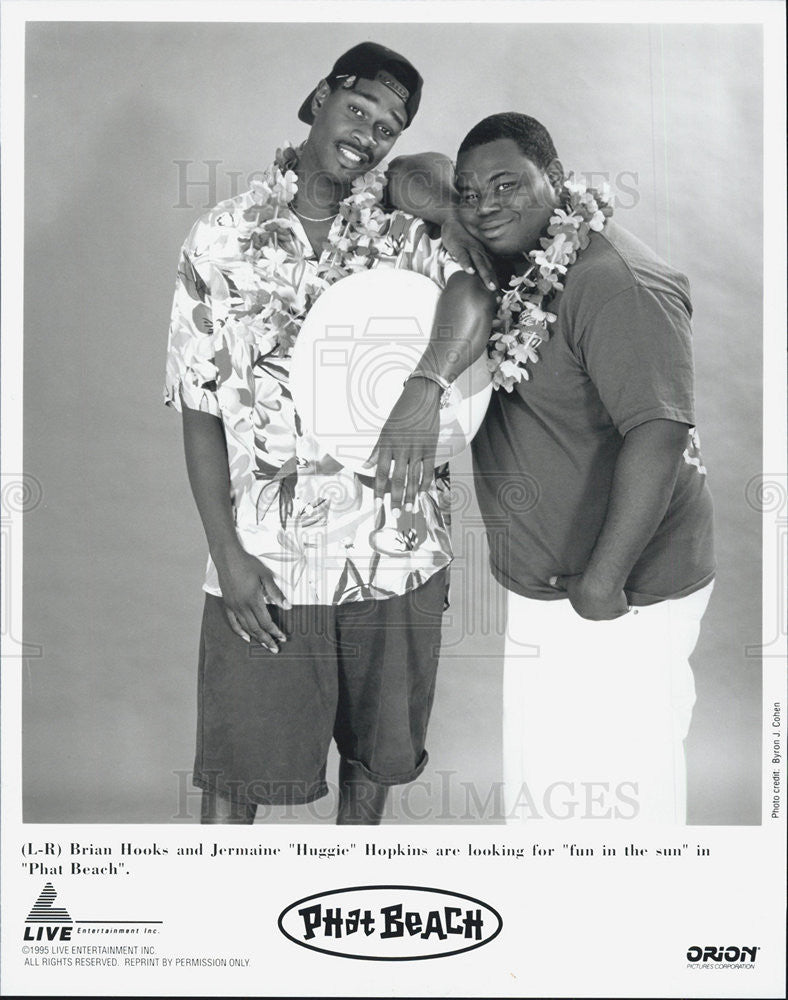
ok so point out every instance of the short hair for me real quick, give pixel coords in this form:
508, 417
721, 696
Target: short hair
530, 135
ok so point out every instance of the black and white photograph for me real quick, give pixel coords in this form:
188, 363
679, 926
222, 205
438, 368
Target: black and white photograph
394, 410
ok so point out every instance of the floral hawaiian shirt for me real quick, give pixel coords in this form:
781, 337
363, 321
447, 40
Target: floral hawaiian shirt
311, 521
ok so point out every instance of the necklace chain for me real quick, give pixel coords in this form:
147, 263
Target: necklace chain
308, 218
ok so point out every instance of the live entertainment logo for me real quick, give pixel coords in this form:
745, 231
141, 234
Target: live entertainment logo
47, 934
55, 923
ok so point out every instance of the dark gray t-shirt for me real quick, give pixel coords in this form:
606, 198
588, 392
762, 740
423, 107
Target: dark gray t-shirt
620, 354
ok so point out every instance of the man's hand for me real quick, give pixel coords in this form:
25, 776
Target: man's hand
247, 583
247, 587
645, 474
469, 253
590, 601
409, 439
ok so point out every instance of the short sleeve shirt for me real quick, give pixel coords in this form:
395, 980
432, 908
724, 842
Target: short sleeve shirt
311, 521
619, 355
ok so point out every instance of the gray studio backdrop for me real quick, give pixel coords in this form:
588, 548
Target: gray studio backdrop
118, 117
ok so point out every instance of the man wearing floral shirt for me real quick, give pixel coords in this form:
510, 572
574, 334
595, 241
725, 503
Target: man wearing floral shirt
322, 609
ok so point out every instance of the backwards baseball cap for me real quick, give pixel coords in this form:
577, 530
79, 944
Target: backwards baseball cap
374, 62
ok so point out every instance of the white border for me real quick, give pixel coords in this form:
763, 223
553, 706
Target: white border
759, 850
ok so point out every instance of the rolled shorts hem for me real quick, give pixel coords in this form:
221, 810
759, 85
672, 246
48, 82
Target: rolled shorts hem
391, 779
285, 797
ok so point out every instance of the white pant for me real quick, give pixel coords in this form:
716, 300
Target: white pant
595, 713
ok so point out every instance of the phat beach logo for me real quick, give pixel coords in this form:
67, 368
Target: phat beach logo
722, 957
394, 923
54, 922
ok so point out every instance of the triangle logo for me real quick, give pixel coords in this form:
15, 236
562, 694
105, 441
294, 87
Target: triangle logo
44, 912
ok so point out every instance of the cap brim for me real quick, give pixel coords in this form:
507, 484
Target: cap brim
305, 111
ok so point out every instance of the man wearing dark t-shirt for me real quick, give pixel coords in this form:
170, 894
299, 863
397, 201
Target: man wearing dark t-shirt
594, 496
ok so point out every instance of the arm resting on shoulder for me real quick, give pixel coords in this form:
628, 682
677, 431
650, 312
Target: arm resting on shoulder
423, 185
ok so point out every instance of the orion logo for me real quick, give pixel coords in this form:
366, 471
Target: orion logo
731, 955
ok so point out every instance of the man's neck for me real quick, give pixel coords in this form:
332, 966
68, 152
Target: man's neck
506, 267
520, 262
517, 264
319, 194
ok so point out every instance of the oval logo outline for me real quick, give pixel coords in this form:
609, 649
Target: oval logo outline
390, 958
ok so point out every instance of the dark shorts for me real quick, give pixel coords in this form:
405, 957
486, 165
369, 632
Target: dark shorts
361, 673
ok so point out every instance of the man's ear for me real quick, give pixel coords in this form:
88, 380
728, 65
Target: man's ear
555, 174
320, 95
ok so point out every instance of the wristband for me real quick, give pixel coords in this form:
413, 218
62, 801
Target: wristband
445, 385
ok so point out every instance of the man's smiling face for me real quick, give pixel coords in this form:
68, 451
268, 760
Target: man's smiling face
354, 128
506, 200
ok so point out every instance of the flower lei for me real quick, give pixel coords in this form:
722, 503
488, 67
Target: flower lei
281, 299
520, 325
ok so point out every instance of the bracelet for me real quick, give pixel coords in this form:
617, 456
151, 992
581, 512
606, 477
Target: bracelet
445, 385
